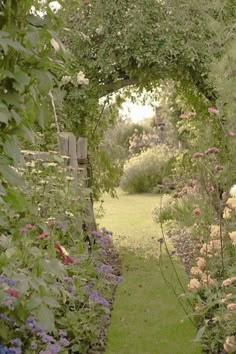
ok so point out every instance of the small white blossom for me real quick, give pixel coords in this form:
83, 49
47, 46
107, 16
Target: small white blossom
68, 178
30, 164
69, 214
232, 191
81, 79
65, 80
99, 30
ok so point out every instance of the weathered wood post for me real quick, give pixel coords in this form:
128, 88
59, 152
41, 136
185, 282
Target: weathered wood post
67, 147
82, 156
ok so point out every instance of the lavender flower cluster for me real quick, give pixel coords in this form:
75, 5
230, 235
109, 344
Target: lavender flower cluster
15, 348
5, 280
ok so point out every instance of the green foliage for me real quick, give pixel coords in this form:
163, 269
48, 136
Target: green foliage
25, 79
144, 172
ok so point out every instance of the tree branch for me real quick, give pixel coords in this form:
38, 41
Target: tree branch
113, 86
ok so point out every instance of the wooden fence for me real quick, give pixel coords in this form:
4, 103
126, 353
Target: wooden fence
74, 154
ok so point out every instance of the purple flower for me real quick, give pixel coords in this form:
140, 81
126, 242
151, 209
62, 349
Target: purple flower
52, 349
64, 342
14, 351
16, 342
46, 338
97, 299
34, 326
5, 318
10, 282
97, 234
105, 268
62, 333
9, 304
119, 279
87, 288
61, 226
68, 279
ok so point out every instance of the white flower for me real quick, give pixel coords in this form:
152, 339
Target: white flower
30, 164
232, 191
68, 178
69, 214
99, 30
65, 80
49, 164
81, 79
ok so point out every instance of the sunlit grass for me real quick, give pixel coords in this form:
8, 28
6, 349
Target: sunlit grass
147, 318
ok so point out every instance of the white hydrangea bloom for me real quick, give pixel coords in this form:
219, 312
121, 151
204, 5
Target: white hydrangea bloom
81, 79
232, 191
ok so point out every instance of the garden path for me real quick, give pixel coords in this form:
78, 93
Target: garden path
147, 318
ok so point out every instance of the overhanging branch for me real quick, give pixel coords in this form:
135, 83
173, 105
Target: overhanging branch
114, 86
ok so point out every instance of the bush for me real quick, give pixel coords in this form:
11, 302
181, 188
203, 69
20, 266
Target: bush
144, 172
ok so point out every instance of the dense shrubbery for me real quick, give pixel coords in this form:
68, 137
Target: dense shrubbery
54, 292
146, 171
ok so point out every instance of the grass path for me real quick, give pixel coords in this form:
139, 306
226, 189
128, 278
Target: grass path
146, 318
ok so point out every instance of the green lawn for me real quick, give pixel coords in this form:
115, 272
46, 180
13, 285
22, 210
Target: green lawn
147, 318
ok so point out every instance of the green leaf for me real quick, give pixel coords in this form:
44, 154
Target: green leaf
51, 301
45, 81
200, 334
10, 175
2, 189
16, 199
11, 149
10, 252
4, 113
36, 20
16, 116
5, 43
21, 81
34, 303
28, 134
46, 318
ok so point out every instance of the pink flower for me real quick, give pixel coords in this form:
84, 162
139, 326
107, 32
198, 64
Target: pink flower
197, 155
218, 168
51, 222
12, 292
187, 115
183, 116
231, 133
196, 212
42, 236
213, 110
67, 260
26, 228
212, 150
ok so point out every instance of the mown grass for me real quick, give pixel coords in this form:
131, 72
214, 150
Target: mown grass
147, 318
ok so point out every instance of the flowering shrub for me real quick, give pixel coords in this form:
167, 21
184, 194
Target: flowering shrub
55, 295
144, 172
140, 142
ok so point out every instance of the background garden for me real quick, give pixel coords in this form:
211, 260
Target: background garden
68, 67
